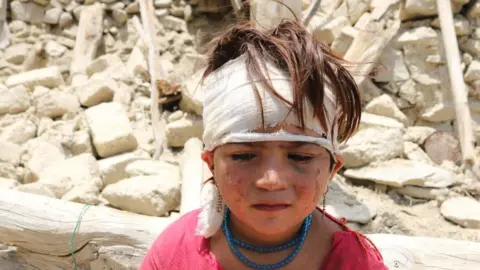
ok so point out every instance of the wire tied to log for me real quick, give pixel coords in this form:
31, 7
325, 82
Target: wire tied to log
72, 239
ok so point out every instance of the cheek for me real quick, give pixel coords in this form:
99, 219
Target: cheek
311, 189
233, 182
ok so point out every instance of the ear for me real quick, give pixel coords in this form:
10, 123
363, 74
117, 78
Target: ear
207, 157
338, 165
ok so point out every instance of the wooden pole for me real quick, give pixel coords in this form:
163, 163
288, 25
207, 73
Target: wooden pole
148, 21
459, 90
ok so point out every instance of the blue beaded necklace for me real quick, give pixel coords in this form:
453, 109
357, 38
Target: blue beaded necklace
232, 242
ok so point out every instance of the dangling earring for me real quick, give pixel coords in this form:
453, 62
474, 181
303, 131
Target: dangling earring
324, 202
212, 206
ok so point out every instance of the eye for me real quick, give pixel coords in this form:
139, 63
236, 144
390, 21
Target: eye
243, 157
300, 158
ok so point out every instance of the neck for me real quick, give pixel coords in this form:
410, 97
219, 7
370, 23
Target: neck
248, 234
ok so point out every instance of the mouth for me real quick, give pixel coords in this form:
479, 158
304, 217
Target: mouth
271, 207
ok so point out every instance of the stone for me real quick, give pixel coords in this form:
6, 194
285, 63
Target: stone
148, 195
474, 10
54, 103
66, 19
177, 115
14, 100
39, 155
81, 143
461, 24
192, 95
179, 132
96, 91
9, 171
173, 23
401, 172
52, 16
50, 77
120, 16
373, 120
19, 132
27, 12
110, 129
8, 183
422, 35
162, 3
37, 189
392, 67
413, 152
463, 211
54, 48
103, 63
133, 8
344, 40
418, 134
355, 9
10, 152
16, 53
372, 144
422, 192
470, 45
18, 28
385, 106
328, 31
359, 213
148, 167
473, 71
112, 169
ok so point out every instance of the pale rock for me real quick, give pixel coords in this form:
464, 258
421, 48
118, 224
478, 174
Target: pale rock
42, 2
178, 132
103, 63
369, 90
137, 65
16, 53
81, 143
413, 152
409, 91
418, 134
67, 42
120, 16
148, 167
401, 172
66, 19
149, 195
162, 3
110, 129
355, 9
174, 23
192, 95
112, 169
19, 132
9, 171
372, 120
85, 193
474, 10
14, 100
422, 192
344, 40
470, 45
329, 6
425, 8
422, 35
461, 24
39, 155
392, 67
329, 31
48, 77
372, 144
96, 91
359, 213
27, 12
54, 103
8, 183
123, 94
18, 27
473, 71
133, 8
52, 16
54, 48
76, 172
37, 189
385, 106
163, 12
177, 115
10, 152
463, 211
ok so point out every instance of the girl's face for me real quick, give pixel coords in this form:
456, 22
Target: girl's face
271, 186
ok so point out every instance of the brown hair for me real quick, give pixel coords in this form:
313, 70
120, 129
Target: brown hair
309, 62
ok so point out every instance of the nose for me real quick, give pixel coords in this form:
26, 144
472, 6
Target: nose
273, 179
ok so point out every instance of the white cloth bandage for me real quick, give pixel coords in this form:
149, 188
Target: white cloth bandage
231, 113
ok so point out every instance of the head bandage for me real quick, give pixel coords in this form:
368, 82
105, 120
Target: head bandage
231, 114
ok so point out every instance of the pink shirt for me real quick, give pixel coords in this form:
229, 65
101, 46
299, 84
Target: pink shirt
178, 248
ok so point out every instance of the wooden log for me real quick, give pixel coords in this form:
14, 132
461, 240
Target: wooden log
459, 90
87, 42
41, 228
265, 14
418, 253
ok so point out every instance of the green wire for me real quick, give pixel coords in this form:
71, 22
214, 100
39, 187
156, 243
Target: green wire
72, 251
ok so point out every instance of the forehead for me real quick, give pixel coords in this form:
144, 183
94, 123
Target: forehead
275, 144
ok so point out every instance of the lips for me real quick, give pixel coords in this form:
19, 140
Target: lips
269, 207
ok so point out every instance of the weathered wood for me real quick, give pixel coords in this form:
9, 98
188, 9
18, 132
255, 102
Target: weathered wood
418, 253
41, 227
458, 88
87, 42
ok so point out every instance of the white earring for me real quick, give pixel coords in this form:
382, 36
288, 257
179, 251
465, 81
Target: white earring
212, 210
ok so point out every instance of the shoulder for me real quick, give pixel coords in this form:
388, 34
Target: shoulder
353, 250
176, 243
